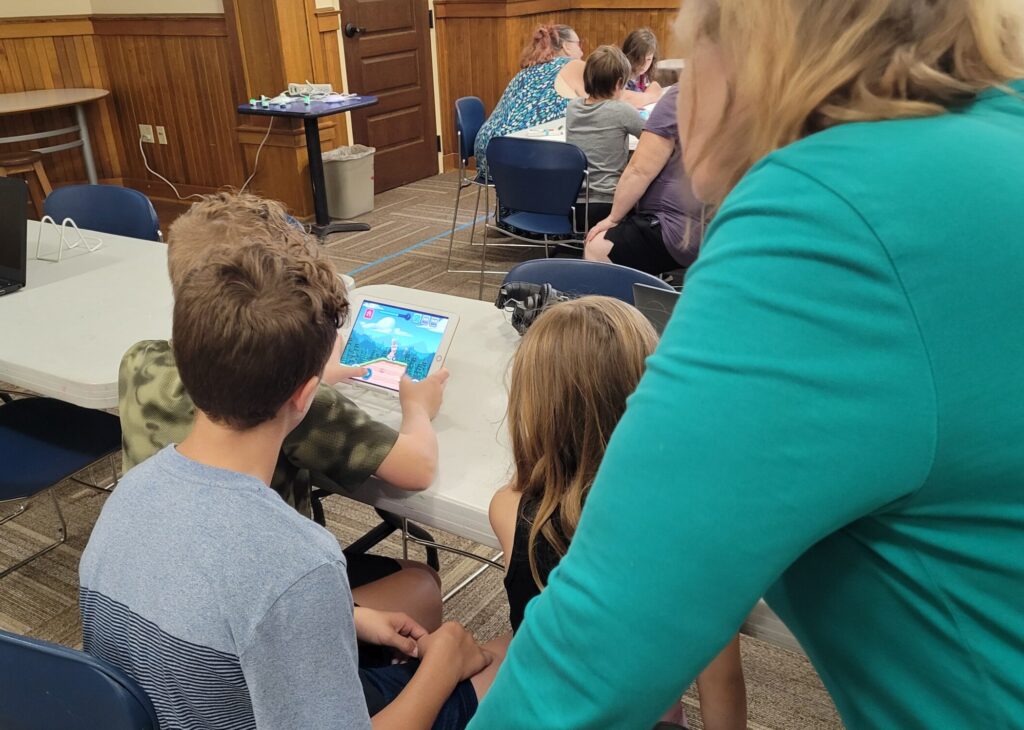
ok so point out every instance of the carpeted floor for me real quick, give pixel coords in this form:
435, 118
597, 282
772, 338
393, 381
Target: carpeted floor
407, 246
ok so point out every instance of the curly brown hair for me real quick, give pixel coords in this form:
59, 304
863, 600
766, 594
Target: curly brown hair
253, 324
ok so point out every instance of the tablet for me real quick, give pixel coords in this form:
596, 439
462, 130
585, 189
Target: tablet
392, 339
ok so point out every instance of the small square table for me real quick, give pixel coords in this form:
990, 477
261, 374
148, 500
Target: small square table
310, 115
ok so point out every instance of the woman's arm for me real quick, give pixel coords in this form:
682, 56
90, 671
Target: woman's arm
790, 395
569, 82
652, 154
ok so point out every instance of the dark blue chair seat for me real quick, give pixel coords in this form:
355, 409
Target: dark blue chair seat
105, 208
42, 442
47, 686
539, 223
580, 278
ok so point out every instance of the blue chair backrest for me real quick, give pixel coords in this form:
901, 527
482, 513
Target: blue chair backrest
105, 208
535, 176
469, 117
45, 686
573, 276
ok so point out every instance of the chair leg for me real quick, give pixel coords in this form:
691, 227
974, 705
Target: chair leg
44, 181
62, 535
483, 248
97, 487
36, 193
455, 219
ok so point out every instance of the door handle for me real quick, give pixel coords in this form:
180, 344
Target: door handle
352, 30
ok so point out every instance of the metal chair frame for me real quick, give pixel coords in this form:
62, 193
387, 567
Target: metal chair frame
62, 530
545, 242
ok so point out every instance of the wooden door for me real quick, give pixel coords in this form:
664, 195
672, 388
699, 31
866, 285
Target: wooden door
387, 55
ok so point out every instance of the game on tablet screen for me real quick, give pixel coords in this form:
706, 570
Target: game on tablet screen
393, 341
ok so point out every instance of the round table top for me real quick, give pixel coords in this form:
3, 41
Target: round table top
31, 101
671, 64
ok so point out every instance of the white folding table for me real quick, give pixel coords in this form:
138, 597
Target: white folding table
63, 335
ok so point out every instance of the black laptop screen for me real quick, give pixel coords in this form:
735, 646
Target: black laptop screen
13, 229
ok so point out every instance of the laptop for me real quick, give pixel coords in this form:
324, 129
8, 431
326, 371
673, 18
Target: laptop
13, 233
656, 304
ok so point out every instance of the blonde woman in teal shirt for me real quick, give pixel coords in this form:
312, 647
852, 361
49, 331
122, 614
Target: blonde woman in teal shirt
834, 418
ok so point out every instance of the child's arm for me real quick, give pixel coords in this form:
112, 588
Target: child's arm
502, 514
412, 462
723, 694
448, 656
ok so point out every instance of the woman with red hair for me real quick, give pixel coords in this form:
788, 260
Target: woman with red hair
551, 75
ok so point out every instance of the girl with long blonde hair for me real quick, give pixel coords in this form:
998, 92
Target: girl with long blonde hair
833, 417
570, 379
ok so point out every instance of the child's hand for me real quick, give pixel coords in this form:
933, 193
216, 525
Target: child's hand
426, 394
335, 372
452, 648
388, 628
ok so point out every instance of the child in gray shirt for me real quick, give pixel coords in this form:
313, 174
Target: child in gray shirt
600, 125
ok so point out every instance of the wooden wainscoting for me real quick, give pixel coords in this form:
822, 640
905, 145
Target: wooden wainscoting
479, 41
179, 72
174, 73
56, 54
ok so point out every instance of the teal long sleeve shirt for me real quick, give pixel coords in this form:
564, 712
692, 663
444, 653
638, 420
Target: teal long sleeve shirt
834, 419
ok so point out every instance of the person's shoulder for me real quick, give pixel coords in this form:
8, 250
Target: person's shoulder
503, 513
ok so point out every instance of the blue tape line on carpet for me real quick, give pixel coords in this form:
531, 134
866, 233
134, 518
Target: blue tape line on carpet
413, 247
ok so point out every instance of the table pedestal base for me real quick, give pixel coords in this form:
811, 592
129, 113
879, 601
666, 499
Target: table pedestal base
322, 231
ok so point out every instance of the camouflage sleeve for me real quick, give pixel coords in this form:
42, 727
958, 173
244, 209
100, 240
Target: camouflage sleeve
152, 403
339, 440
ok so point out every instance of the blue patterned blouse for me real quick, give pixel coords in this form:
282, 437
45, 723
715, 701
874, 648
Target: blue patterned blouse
529, 99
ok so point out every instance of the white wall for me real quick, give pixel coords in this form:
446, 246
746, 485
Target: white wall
43, 8
51, 8
156, 7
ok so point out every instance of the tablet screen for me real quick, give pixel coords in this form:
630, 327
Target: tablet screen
392, 341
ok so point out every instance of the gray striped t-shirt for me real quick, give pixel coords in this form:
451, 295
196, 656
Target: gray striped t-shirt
230, 608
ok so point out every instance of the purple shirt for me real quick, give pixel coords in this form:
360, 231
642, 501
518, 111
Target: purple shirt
669, 196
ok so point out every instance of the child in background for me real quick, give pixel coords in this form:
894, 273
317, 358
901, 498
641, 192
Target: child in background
600, 125
641, 48
571, 376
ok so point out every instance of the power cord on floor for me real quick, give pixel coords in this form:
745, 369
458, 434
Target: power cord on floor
255, 167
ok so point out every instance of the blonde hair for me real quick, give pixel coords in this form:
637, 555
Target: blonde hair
800, 67
571, 376
229, 219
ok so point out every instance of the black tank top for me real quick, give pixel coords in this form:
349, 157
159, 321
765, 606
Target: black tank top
519, 583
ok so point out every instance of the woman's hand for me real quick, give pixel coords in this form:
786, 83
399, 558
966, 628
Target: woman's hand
388, 628
606, 225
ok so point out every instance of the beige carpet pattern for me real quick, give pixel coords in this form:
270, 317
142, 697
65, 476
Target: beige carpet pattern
407, 246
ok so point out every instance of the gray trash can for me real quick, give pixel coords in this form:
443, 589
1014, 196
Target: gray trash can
348, 175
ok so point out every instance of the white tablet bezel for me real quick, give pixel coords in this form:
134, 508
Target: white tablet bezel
356, 305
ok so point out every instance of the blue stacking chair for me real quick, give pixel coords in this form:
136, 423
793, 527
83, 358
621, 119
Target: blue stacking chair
42, 442
537, 183
48, 686
579, 278
105, 208
469, 117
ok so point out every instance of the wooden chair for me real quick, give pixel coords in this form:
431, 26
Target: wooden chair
29, 164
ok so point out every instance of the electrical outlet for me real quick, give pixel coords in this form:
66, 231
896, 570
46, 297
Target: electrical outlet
146, 132
161, 135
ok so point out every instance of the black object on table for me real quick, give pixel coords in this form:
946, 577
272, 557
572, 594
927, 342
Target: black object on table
310, 115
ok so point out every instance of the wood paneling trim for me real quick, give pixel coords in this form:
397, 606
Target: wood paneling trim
212, 26
328, 20
519, 8
45, 28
